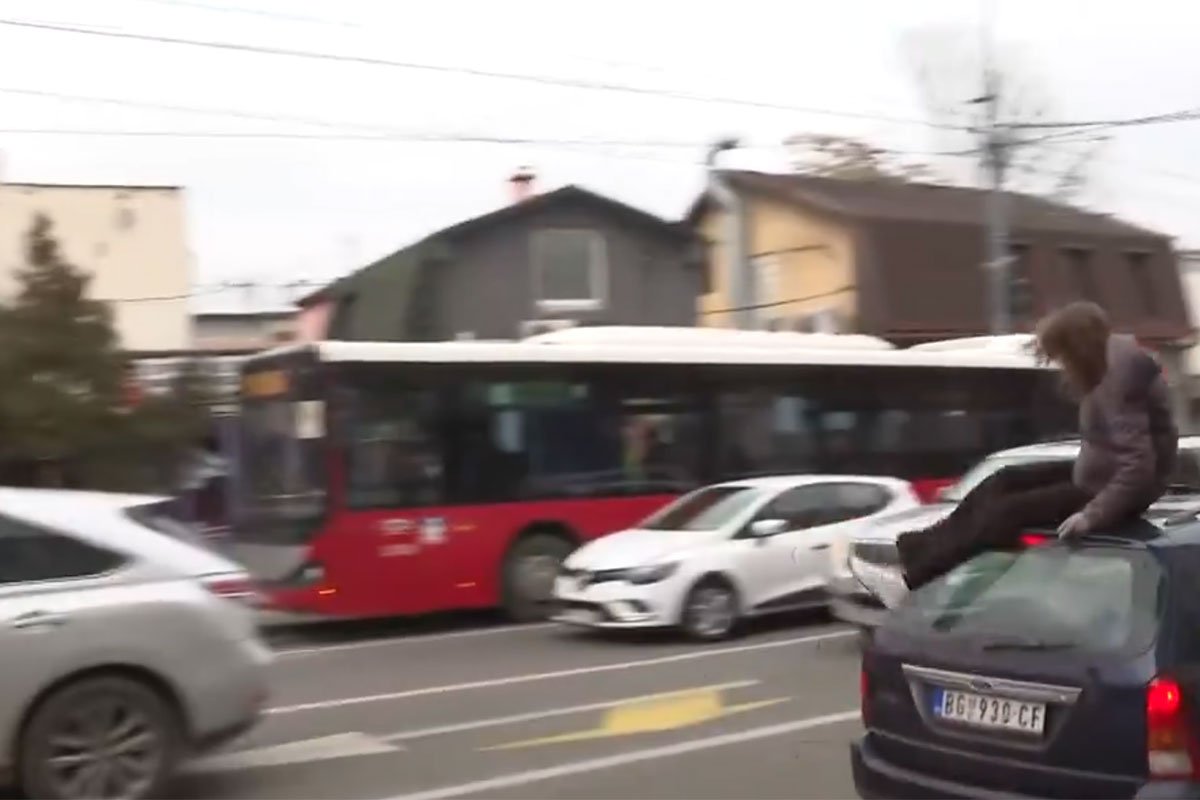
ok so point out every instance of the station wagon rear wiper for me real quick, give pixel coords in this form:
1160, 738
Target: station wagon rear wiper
1034, 645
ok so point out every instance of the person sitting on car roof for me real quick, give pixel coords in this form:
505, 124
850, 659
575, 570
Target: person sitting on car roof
1129, 444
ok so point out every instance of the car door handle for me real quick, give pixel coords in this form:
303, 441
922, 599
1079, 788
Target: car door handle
39, 619
819, 547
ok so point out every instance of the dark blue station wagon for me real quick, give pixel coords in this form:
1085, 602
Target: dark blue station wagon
1052, 670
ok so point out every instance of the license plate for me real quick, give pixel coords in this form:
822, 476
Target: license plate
984, 711
583, 616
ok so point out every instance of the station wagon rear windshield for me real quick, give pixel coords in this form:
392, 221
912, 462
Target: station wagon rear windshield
703, 510
1053, 598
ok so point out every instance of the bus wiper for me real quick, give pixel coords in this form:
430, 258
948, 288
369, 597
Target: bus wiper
1033, 645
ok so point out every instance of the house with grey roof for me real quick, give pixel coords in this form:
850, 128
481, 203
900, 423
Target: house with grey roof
564, 257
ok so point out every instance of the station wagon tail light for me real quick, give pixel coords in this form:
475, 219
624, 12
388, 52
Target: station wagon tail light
864, 693
1170, 746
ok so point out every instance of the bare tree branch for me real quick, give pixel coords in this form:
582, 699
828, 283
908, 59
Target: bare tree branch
947, 73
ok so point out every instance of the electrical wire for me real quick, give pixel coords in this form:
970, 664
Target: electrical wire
255, 12
545, 80
1183, 115
786, 302
435, 138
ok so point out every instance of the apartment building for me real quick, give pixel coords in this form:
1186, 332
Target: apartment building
131, 239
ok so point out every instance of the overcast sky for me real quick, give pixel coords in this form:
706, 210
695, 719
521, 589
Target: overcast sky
280, 210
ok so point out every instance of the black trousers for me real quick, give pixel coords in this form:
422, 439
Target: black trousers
992, 515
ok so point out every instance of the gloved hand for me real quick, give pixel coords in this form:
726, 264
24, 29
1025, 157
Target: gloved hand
1074, 525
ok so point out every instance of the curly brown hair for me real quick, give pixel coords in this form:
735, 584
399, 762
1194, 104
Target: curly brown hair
1076, 338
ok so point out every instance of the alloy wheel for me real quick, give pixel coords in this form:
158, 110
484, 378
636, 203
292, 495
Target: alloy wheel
107, 747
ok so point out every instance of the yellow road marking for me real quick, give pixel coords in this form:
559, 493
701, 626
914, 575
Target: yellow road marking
666, 712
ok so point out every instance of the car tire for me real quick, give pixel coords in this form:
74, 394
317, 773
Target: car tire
710, 610
528, 577
106, 722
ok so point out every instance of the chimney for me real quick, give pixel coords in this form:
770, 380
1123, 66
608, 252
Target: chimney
521, 184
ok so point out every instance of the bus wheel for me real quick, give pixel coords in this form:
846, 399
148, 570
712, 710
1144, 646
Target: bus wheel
529, 573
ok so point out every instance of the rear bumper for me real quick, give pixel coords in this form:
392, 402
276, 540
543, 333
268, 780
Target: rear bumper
876, 779
230, 693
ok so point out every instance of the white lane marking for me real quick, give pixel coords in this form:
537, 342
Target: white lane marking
324, 748
562, 673
458, 727
621, 759
288, 652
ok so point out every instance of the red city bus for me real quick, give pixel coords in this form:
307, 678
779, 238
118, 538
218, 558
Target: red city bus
381, 479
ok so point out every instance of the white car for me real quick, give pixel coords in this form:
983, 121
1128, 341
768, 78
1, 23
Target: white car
125, 648
722, 553
867, 579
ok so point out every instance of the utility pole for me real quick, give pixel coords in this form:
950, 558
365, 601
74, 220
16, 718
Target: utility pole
996, 148
737, 238
996, 152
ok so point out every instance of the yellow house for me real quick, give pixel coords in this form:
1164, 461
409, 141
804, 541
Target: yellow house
904, 261
803, 263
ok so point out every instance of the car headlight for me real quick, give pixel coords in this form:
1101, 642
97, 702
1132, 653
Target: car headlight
885, 583
651, 574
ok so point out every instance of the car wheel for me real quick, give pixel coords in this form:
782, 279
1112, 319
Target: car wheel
710, 611
99, 738
529, 574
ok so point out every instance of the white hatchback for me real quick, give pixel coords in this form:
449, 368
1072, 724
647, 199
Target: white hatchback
722, 553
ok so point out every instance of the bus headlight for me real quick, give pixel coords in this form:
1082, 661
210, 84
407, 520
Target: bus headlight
307, 574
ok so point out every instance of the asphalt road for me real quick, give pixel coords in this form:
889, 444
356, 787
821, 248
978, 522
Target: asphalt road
543, 712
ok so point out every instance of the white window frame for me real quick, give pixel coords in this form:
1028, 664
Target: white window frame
597, 272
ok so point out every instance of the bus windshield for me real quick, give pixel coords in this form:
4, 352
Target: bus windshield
282, 475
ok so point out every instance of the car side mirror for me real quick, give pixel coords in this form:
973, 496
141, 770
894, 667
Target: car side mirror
762, 528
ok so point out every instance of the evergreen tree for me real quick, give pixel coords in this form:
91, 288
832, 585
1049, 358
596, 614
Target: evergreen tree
61, 369
168, 429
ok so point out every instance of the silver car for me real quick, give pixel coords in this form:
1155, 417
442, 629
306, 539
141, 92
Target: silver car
125, 648
866, 576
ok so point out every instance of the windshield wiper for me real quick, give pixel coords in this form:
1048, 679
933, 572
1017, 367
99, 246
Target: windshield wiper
1032, 645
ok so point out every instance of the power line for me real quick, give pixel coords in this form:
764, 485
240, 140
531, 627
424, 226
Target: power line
787, 302
185, 109
433, 137
545, 80
167, 297
1183, 115
255, 12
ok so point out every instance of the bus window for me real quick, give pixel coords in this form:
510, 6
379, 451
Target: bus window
762, 432
393, 449
534, 440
